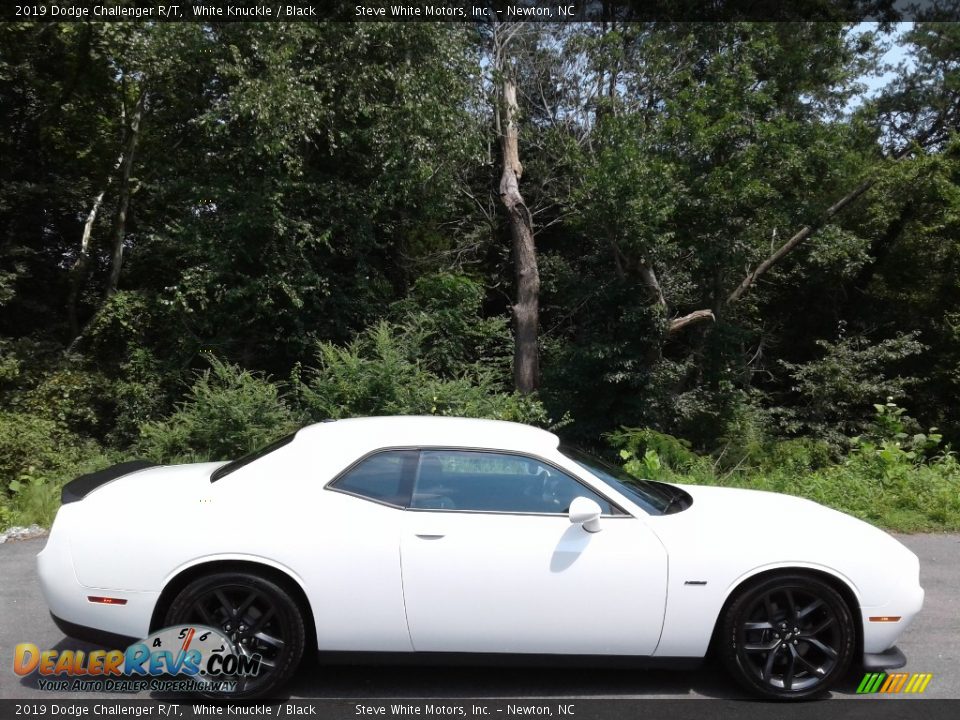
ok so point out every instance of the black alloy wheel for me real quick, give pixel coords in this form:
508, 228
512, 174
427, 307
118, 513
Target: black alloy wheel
257, 615
788, 637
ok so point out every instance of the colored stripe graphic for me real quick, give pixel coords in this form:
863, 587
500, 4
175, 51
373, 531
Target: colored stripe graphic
894, 683
921, 682
862, 687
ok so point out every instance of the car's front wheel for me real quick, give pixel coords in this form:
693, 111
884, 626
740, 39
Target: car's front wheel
259, 617
787, 637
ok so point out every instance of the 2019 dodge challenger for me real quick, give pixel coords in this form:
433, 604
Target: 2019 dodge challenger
439, 537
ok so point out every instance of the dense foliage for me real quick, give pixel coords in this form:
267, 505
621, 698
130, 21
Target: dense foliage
890, 477
212, 234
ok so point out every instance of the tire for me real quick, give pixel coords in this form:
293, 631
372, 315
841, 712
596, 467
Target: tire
788, 637
271, 621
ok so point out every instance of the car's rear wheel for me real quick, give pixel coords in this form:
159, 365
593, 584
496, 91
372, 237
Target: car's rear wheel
257, 615
787, 637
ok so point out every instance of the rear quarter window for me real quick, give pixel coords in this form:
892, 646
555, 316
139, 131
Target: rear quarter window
384, 477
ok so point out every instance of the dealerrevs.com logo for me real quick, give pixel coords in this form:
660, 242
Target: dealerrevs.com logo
184, 658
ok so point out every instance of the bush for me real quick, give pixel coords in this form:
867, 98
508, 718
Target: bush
835, 391
143, 392
37, 456
895, 479
72, 397
33, 499
29, 444
670, 452
381, 373
797, 455
9, 366
228, 413
443, 318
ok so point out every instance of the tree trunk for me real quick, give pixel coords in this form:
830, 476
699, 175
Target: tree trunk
78, 273
649, 278
128, 144
123, 199
526, 310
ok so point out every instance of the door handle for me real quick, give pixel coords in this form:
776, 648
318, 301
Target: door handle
426, 536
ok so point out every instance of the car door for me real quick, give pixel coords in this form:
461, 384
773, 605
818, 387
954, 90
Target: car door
353, 569
491, 562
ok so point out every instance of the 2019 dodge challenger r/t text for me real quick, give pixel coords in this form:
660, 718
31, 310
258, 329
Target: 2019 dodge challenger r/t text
440, 537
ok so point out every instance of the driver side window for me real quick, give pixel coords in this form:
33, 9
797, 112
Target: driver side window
494, 482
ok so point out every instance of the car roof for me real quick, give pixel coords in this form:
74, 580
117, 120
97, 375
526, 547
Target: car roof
370, 433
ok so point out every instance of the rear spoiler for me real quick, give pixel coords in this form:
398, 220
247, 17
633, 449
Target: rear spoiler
85, 484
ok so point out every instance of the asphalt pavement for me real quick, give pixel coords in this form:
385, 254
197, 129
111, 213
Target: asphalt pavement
932, 645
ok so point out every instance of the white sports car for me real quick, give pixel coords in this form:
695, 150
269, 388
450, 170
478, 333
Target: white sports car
444, 536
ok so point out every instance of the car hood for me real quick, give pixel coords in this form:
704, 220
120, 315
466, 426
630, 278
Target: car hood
745, 513
755, 504
743, 530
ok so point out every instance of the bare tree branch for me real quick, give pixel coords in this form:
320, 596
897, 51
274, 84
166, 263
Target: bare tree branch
802, 234
697, 316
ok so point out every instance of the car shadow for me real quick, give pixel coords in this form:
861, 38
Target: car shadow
319, 680
847, 687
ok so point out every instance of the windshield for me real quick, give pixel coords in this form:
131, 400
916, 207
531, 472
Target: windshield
655, 498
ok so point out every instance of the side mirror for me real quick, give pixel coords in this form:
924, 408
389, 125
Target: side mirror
585, 512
